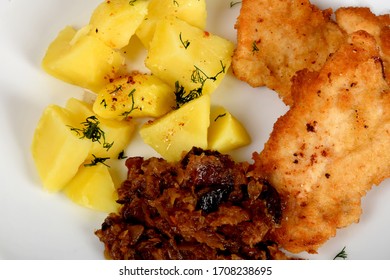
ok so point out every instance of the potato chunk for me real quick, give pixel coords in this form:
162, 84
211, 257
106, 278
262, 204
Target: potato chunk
115, 21
57, 151
196, 59
81, 59
93, 187
116, 134
136, 95
226, 133
191, 11
179, 130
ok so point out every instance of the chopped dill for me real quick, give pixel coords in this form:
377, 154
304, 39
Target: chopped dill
185, 43
182, 97
104, 103
176, 3
107, 146
118, 88
131, 2
121, 155
341, 255
232, 3
92, 131
198, 76
219, 116
97, 160
130, 95
131, 92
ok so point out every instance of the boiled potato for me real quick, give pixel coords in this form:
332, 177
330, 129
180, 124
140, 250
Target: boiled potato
192, 11
115, 21
226, 133
184, 54
78, 58
93, 187
117, 134
179, 130
57, 151
136, 95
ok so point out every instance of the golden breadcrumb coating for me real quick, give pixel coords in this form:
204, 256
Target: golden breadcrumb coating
352, 19
331, 147
276, 38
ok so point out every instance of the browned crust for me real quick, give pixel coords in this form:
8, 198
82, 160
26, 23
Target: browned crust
352, 19
329, 149
275, 39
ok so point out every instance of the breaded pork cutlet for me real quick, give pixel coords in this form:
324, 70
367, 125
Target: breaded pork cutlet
276, 38
331, 147
352, 19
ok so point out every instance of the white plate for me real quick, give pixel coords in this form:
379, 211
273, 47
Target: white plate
38, 225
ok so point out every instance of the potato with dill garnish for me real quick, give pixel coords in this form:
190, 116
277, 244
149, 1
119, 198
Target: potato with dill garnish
226, 133
134, 95
115, 22
196, 59
191, 11
115, 134
57, 150
66, 137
